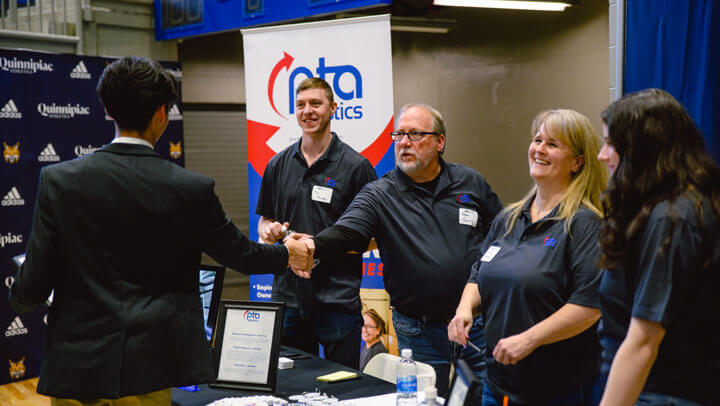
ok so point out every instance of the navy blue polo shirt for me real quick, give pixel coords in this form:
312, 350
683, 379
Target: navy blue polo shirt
523, 278
673, 282
427, 241
311, 199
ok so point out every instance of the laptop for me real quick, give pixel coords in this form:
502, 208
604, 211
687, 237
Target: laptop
463, 386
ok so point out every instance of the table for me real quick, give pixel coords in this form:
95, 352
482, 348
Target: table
300, 378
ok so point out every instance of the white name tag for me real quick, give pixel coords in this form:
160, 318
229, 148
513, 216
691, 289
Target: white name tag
468, 217
322, 194
490, 253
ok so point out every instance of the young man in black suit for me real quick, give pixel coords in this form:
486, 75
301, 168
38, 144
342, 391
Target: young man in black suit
118, 235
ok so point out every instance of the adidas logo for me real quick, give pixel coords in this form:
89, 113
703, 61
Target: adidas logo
16, 328
12, 198
80, 72
10, 110
48, 154
174, 113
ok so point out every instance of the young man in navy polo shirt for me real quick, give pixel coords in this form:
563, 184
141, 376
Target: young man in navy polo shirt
306, 188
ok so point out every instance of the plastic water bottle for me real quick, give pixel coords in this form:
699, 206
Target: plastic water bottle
406, 379
430, 397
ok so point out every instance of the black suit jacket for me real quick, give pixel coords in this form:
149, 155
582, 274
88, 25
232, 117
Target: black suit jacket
118, 235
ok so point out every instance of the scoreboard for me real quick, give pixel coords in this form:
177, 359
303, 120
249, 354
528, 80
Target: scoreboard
186, 18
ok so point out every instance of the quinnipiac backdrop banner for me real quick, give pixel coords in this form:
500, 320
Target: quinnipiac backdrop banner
49, 113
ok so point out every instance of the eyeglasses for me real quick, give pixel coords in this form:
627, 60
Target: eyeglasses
367, 326
413, 135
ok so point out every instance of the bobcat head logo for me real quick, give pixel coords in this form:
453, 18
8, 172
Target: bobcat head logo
175, 150
17, 369
11, 153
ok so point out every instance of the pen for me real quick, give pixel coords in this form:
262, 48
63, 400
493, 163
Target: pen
475, 347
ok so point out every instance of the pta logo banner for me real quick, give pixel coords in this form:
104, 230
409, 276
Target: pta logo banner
279, 58
354, 56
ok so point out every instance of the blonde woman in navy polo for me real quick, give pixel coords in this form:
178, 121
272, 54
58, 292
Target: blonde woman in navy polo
536, 282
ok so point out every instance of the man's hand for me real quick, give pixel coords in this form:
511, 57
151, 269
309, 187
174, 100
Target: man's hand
300, 256
271, 231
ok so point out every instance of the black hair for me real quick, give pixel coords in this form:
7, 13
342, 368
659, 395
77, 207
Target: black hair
132, 88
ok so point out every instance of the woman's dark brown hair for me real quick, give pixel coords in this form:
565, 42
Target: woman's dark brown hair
662, 155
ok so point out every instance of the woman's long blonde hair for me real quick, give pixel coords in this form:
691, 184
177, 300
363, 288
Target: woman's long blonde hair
587, 184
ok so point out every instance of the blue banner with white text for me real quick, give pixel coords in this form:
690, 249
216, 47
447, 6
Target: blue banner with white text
49, 113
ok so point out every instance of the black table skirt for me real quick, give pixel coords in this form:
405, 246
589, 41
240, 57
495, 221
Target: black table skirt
300, 378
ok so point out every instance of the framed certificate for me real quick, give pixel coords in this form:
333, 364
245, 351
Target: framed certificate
247, 344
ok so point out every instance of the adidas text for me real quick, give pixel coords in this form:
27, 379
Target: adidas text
48, 154
80, 72
16, 328
12, 198
10, 110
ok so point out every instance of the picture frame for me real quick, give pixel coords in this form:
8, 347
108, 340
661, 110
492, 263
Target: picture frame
247, 345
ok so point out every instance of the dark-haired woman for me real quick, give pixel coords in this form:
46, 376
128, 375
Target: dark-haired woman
372, 331
661, 246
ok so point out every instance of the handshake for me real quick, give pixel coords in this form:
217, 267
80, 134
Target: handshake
301, 247
301, 250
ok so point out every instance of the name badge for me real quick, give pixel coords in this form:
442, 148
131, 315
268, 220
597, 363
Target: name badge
468, 217
490, 253
322, 194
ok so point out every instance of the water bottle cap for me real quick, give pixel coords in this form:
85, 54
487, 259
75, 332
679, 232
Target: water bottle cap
406, 353
430, 392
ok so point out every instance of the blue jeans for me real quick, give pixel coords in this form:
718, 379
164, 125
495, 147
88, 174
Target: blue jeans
338, 332
587, 395
656, 399
429, 343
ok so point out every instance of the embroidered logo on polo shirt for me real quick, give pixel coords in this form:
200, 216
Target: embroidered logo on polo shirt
330, 182
549, 242
464, 198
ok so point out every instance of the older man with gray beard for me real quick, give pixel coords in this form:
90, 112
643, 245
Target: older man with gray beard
428, 218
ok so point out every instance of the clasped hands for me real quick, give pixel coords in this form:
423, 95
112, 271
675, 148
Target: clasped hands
301, 247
